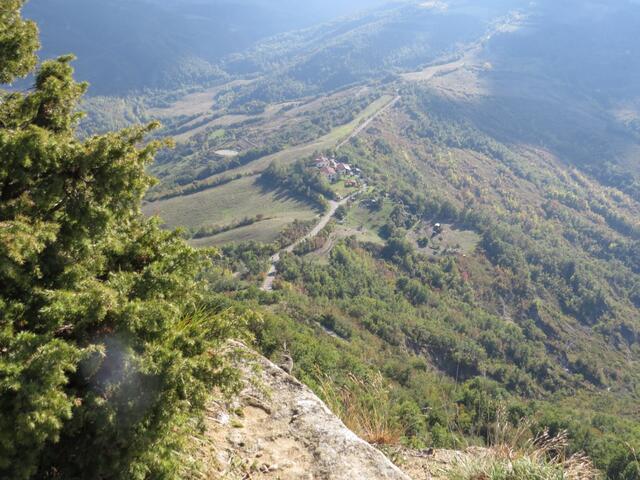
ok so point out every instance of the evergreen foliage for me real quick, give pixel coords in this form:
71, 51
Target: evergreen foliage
106, 339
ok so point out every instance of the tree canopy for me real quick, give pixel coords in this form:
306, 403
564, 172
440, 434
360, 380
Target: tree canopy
106, 338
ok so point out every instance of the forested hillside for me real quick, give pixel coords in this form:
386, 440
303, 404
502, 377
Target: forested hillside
524, 148
126, 46
481, 275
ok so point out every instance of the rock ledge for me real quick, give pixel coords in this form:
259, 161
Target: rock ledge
277, 428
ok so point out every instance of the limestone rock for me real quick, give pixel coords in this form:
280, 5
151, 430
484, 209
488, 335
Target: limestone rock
282, 430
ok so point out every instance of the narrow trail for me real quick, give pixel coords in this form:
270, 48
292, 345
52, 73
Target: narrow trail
267, 284
366, 123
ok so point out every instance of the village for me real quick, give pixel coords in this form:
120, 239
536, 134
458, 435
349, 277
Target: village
333, 171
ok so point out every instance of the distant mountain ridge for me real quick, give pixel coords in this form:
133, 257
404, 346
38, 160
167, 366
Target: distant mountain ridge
126, 46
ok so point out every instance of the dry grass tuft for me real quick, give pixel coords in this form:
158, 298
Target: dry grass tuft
516, 455
365, 408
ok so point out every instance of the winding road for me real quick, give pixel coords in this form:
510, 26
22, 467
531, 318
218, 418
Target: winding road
267, 284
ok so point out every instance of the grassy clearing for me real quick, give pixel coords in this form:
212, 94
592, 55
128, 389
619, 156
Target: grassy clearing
342, 190
339, 133
452, 239
359, 223
231, 202
341, 232
368, 222
195, 103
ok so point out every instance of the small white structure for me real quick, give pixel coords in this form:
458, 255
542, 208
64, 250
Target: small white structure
343, 169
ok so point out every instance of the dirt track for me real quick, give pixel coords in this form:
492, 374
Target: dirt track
267, 284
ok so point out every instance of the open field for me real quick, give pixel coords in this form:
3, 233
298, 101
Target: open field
342, 190
451, 240
367, 120
365, 223
367, 114
341, 232
197, 103
192, 130
228, 203
265, 231
433, 71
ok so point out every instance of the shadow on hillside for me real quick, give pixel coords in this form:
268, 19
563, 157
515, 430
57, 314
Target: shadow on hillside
282, 193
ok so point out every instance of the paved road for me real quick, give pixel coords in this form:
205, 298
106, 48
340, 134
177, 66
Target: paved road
267, 285
358, 130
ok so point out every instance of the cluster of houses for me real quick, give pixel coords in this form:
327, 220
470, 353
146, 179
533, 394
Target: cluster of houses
333, 170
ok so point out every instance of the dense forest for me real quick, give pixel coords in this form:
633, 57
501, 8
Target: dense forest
164, 45
513, 322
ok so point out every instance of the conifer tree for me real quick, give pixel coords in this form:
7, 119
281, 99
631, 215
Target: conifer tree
104, 358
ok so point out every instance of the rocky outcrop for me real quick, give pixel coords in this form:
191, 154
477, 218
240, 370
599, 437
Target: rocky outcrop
277, 428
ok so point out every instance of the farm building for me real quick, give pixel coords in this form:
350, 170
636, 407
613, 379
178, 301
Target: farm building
322, 162
329, 172
343, 169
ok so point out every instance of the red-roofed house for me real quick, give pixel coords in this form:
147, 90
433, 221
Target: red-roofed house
329, 172
343, 169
